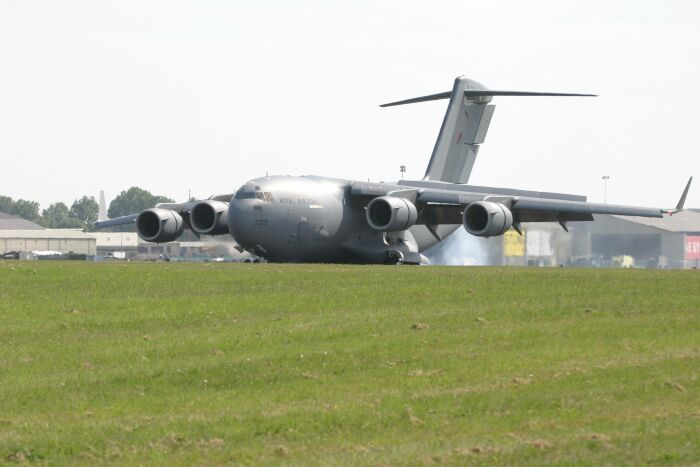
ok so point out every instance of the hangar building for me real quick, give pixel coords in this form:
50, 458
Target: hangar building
671, 241
609, 241
23, 236
8, 222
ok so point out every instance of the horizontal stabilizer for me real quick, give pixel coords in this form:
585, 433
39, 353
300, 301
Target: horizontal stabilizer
484, 93
432, 97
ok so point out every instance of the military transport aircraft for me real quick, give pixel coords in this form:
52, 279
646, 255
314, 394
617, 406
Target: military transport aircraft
319, 219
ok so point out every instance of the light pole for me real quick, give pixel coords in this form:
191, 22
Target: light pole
402, 169
605, 187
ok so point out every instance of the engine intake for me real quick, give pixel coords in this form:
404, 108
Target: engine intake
391, 214
210, 217
487, 219
159, 225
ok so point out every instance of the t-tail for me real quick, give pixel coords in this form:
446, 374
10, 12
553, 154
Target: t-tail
464, 127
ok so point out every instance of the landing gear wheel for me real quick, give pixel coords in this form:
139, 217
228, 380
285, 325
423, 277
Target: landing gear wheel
393, 257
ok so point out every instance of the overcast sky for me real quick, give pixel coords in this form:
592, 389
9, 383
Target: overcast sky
174, 96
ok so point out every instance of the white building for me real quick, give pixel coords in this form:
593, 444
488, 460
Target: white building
64, 241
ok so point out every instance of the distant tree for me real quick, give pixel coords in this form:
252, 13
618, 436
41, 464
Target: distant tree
162, 199
26, 209
6, 204
57, 216
134, 200
84, 210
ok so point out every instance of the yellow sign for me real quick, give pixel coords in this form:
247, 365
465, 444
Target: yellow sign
513, 244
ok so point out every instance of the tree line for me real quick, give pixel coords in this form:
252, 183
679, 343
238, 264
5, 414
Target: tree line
83, 212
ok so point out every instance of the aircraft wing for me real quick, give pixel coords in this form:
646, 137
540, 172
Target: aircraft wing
443, 203
181, 208
130, 219
532, 210
525, 209
548, 210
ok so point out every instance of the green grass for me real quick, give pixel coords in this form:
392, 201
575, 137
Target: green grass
290, 364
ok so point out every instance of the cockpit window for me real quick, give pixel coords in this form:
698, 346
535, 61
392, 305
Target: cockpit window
248, 193
244, 194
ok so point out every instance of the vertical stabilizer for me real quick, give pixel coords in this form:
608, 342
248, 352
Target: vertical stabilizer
464, 127
102, 212
463, 130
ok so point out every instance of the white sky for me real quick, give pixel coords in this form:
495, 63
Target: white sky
204, 95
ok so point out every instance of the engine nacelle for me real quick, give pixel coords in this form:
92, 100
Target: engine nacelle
159, 225
210, 217
487, 219
391, 214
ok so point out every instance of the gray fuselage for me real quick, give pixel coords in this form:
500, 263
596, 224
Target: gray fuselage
315, 219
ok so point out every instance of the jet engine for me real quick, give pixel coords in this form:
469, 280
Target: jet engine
487, 219
210, 217
391, 214
159, 225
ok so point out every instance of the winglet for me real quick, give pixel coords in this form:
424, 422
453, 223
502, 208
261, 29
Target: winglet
681, 202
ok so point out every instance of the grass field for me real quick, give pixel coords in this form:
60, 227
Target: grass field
129, 363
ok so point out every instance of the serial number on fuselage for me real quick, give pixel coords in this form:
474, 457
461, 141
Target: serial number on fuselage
300, 201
